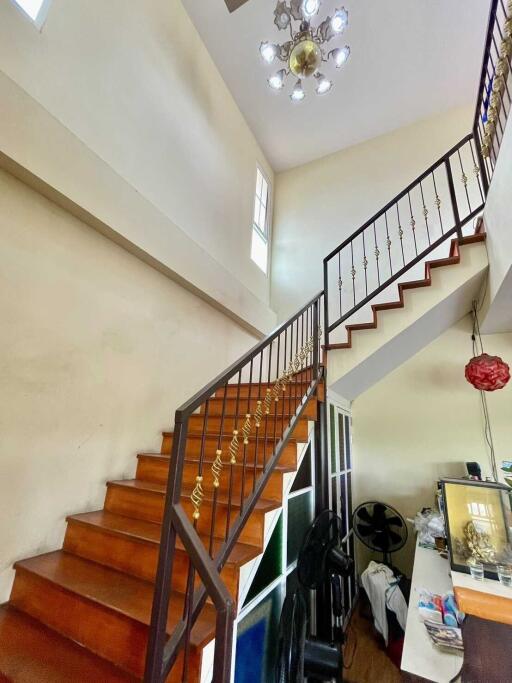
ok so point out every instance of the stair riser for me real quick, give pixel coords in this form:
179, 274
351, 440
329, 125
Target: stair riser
105, 632
156, 470
132, 556
150, 506
270, 426
296, 389
263, 452
215, 408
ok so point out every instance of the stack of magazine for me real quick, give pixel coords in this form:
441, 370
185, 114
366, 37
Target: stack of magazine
446, 637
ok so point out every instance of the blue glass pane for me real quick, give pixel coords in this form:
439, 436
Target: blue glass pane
257, 640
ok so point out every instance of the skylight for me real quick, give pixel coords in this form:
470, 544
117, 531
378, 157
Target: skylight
32, 8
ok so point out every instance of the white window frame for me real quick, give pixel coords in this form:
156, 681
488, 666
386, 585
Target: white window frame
38, 22
264, 234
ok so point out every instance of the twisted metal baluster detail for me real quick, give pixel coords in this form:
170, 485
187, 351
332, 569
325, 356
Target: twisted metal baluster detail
197, 496
258, 414
217, 466
233, 447
246, 429
267, 402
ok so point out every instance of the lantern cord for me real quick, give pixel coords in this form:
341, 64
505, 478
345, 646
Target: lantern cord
477, 340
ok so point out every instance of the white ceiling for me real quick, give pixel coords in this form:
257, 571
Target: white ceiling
409, 59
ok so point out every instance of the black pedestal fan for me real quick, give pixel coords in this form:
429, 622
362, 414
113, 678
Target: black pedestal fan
380, 527
321, 562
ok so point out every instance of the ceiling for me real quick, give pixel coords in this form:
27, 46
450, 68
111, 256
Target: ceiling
409, 59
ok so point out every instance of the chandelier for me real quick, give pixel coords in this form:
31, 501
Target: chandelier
305, 52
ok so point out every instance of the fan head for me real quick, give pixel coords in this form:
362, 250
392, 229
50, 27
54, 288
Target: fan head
322, 538
380, 527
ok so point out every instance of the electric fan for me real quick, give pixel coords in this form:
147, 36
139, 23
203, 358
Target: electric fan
380, 527
321, 561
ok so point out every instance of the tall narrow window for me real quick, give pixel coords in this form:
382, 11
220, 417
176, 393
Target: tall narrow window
35, 9
260, 223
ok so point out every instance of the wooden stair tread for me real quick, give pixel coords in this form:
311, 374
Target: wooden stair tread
33, 653
208, 461
229, 435
149, 532
114, 590
262, 505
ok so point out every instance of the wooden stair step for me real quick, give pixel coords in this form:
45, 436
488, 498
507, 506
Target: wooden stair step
30, 652
155, 467
300, 387
260, 446
145, 500
131, 545
217, 404
275, 422
105, 610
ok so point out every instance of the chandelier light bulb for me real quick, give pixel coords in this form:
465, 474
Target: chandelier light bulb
339, 20
298, 93
268, 52
324, 84
340, 55
276, 81
310, 8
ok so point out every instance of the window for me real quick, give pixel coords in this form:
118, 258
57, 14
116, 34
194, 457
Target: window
260, 223
34, 9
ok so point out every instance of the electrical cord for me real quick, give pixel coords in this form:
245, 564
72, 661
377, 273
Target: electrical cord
476, 338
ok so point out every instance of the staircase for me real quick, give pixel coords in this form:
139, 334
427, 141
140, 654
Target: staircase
148, 586
84, 612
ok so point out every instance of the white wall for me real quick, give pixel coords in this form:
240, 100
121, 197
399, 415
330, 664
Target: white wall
321, 203
133, 83
498, 224
422, 422
97, 350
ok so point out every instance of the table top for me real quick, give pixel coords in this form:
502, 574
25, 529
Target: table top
420, 656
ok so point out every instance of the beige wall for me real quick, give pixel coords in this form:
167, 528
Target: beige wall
321, 203
132, 97
422, 421
97, 349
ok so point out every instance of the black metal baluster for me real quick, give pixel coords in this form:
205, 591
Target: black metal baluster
232, 459
258, 418
464, 180
340, 281
268, 397
388, 242
246, 433
365, 266
283, 387
400, 233
277, 391
453, 197
413, 224
425, 212
437, 202
218, 455
353, 271
476, 171
290, 378
376, 252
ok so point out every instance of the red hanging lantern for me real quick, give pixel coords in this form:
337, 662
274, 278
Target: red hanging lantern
487, 373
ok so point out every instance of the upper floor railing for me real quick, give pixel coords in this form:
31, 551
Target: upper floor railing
494, 96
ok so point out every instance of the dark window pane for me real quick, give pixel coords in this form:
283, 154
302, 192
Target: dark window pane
346, 594
341, 432
349, 498
332, 422
348, 454
300, 517
343, 506
303, 478
270, 565
334, 494
257, 641
353, 583
292, 582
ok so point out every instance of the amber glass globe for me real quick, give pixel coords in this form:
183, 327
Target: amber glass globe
305, 58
